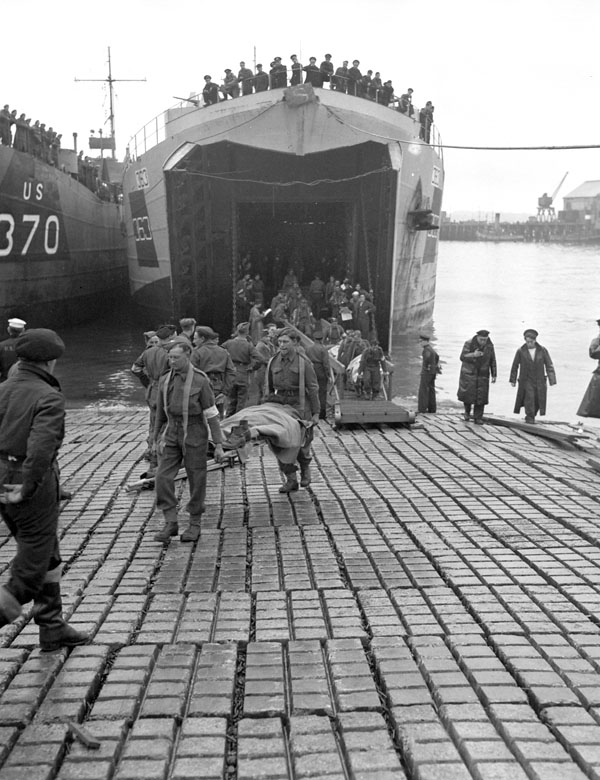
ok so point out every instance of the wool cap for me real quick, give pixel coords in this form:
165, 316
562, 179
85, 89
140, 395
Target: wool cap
39, 345
531, 332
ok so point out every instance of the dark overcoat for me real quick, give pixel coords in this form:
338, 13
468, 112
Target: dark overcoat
532, 389
590, 403
475, 372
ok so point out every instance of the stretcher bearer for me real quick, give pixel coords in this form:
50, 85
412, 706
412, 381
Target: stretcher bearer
291, 377
186, 404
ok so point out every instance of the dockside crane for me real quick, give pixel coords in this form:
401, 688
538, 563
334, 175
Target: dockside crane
546, 212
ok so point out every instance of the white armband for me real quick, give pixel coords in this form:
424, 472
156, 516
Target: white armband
212, 411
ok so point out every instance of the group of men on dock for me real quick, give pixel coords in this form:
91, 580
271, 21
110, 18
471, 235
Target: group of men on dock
532, 369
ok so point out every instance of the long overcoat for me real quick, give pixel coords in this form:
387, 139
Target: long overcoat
532, 377
590, 403
475, 372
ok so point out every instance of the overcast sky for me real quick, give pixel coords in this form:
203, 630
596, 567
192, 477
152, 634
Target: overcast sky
500, 73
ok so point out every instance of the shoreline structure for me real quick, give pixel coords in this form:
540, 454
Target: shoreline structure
428, 608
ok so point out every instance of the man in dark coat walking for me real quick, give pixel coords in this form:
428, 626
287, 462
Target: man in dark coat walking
533, 365
478, 359
32, 420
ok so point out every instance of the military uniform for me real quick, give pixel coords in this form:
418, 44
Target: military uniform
217, 365
32, 414
243, 356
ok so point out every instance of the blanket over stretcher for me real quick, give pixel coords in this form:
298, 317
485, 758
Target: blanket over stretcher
278, 424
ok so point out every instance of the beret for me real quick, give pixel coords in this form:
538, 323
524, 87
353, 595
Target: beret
39, 345
206, 332
165, 331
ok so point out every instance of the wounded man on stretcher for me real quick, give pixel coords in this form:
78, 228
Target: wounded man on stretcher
277, 423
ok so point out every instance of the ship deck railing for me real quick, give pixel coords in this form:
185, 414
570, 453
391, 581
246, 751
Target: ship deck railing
154, 131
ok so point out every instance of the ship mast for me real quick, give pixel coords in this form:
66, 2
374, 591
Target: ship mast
110, 81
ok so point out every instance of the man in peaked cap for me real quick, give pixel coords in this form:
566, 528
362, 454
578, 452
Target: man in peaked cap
8, 357
430, 368
478, 364
32, 414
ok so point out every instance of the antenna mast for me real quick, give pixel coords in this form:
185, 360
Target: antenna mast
110, 81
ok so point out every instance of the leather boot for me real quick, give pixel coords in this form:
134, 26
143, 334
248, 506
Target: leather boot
290, 484
192, 532
55, 632
169, 529
10, 609
304, 474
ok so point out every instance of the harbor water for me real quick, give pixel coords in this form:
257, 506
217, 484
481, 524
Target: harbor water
504, 287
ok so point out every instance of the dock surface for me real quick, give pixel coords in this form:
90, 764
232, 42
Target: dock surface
428, 609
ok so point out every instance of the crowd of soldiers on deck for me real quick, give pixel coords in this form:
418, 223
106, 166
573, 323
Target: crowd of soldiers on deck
34, 138
349, 80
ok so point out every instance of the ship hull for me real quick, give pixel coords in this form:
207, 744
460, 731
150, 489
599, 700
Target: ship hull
62, 249
324, 187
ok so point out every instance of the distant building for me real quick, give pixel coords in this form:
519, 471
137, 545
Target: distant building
582, 205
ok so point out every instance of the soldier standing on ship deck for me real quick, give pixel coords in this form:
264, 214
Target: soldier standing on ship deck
6, 120
261, 79
296, 71
327, 68
244, 78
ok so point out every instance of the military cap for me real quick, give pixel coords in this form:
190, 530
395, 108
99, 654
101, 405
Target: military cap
483, 333
207, 77
328, 55
206, 332
39, 345
317, 334
531, 332
292, 333
276, 59
259, 64
424, 336
15, 322
179, 341
227, 70
243, 328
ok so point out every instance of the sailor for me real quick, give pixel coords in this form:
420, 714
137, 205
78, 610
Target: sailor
210, 93
533, 368
405, 106
386, 94
478, 359
8, 356
245, 78
261, 79
430, 368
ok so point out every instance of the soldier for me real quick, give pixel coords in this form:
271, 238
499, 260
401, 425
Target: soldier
354, 78
318, 355
186, 404
296, 71
278, 74
327, 68
340, 80
243, 355
371, 367
230, 87
291, 376
216, 363
188, 327
245, 78
8, 356
210, 93
152, 363
313, 73
6, 120
405, 106
261, 79
32, 418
